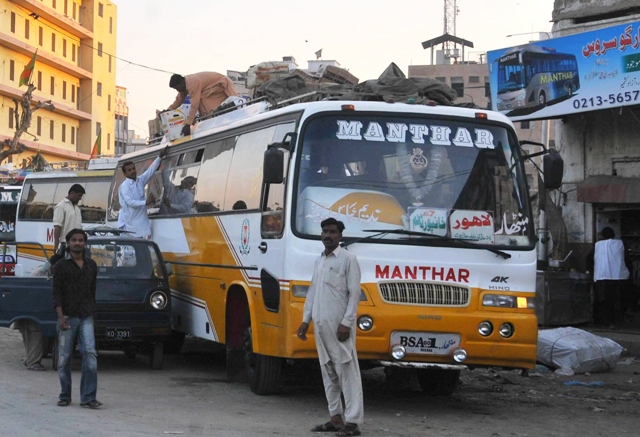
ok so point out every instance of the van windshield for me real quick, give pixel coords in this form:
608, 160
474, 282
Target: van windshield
126, 261
454, 177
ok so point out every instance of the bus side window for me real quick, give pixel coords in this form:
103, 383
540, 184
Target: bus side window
213, 175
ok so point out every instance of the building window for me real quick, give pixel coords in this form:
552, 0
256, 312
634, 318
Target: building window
26, 28
64, 132
73, 132
73, 52
53, 42
66, 7
100, 9
53, 85
39, 80
110, 24
53, 4
64, 47
40, 36
99, 89
109, 103
487, 87
474, 79
108, 141
109, 63
524, 125
74, 10
51, 129
64, 89
12, 67
98, 128
13, 22
457, 84
73, 93
99, 49
39, 126
10, 118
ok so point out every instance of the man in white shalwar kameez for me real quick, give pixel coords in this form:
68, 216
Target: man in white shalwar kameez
133, 204
332, 304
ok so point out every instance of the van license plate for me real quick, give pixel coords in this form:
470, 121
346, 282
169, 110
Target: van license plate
426, 342
118, 334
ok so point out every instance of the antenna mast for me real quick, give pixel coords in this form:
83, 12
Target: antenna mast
450, 12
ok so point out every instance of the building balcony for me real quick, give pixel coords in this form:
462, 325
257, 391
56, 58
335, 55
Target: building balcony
63, 22
44, 57
15, 93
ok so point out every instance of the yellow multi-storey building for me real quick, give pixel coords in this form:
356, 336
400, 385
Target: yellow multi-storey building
75, 69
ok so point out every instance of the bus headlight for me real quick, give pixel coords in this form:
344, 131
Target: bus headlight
158, 300
398, 351
300, 290
503, 301
485, 328
506, 330
365, 323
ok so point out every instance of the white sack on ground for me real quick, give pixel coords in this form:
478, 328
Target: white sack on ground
578, 350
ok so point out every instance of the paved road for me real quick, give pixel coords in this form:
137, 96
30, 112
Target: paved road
191, 397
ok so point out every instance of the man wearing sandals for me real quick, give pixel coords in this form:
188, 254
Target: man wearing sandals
74, 299
332, 304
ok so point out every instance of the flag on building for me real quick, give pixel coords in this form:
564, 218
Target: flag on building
25, 77
319, 54
97, 146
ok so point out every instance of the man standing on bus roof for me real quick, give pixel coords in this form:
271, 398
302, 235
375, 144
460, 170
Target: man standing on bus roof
67, 215
207, 90
133, 204
332, 304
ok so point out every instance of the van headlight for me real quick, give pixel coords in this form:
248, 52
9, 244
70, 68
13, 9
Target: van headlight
158, 300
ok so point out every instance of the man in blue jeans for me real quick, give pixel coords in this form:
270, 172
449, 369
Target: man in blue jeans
74, 299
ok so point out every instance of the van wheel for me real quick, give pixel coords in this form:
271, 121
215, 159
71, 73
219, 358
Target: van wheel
264, 372
175, 343
157, 356
438, 382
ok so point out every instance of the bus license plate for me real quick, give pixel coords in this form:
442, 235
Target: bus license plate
426, 342
118, 334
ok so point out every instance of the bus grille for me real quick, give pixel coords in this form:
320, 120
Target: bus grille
420, 293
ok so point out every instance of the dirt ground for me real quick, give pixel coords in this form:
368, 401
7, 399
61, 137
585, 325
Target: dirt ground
191, 397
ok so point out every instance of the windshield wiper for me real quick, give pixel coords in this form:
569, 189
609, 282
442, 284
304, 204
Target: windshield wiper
368, 237
464, 243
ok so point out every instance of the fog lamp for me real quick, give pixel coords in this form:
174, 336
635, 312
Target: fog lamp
459, 355
506, 330
485, 328
398, 351
365, 323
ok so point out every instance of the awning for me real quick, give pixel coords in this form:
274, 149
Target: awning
609, 189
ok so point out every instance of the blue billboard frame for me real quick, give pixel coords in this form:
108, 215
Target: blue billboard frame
583, 72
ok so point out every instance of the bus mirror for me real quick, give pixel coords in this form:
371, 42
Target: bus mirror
273, 171
553, 169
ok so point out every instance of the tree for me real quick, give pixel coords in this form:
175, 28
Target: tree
22, 123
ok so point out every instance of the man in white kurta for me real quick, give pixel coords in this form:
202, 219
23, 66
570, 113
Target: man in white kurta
133, 203
610, 274
332, 304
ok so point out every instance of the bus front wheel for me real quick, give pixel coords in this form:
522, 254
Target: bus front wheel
264, 372
438, 382
542, 99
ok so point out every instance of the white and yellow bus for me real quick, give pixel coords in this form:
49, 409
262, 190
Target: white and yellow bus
436, 208
41, 193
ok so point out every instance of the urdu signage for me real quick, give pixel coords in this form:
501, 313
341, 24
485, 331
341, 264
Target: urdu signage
583, 72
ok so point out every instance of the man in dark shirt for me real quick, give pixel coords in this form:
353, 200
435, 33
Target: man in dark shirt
74, 299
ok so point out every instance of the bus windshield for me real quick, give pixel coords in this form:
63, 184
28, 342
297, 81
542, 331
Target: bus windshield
449, 177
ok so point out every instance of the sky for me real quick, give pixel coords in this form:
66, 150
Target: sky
159, 37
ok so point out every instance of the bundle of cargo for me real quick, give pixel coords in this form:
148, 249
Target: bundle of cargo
328, 73
265, 71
